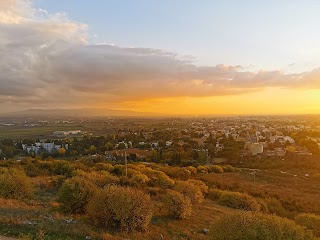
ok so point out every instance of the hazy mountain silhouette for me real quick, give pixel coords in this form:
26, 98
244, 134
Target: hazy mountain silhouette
84, 112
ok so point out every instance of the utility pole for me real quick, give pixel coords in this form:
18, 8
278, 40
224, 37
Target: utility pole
254, 178
126, 162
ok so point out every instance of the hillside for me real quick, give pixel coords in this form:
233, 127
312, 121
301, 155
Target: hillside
42, 205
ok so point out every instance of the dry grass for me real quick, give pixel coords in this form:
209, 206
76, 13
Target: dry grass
296, 195
161, 225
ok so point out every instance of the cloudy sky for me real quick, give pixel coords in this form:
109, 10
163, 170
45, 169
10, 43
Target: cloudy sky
168, 56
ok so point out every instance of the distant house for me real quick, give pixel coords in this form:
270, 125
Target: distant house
67, 133
60, 133
256, 148
279, 152
39, 146
155, 144
282, 139
219, 160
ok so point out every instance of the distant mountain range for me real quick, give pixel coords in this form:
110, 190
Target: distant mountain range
84, 112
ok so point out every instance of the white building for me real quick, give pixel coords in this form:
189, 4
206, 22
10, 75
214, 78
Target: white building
60, 133
37, 147
282, 139
66, 133
256, 148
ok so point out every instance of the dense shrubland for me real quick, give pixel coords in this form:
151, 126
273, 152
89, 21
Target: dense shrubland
310, 221
111, 196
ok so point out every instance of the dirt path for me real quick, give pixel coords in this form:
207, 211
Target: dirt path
7, 238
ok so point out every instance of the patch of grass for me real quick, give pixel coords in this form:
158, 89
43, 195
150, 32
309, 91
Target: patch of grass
248, 225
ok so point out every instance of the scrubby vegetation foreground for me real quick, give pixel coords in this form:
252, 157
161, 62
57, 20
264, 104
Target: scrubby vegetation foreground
56, 199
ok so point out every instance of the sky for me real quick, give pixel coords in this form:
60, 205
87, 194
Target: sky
168, 56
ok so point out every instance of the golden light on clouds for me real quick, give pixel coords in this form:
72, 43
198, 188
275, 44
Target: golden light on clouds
49, 55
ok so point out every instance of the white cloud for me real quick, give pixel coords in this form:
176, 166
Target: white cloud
48, 60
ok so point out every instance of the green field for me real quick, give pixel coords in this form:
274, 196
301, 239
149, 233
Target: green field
95, 127
35, 132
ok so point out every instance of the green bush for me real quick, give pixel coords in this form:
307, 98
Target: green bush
74, 195
216, 169
158, 178
274, 206
118, 169
62, 167
121, 207
179, 206
15, 185
228, 168
214, 194
234, 200
258, 226
310, 221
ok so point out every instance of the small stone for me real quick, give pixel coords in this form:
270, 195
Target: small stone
205, 231
70, 221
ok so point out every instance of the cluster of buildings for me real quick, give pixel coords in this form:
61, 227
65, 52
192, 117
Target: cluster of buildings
43, 146
259, 137
67, 133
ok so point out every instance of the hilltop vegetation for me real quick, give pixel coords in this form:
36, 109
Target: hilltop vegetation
52, 199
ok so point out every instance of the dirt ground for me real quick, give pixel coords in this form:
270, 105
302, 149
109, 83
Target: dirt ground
7, 238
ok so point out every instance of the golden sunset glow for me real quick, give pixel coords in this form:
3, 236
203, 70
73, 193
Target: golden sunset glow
53, 61
269, 101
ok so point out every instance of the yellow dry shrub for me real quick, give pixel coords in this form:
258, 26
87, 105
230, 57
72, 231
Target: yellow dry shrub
252, 225
124, 208
100, 179
192, 170
189, 190
15, 184
138, 166
103, 167
239, 201
140, 178
274, 206
229, 168
214, 194
176, 172
178, 205
202, 169
131, 172
310, 221
203, 187
158, 178
216, 169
